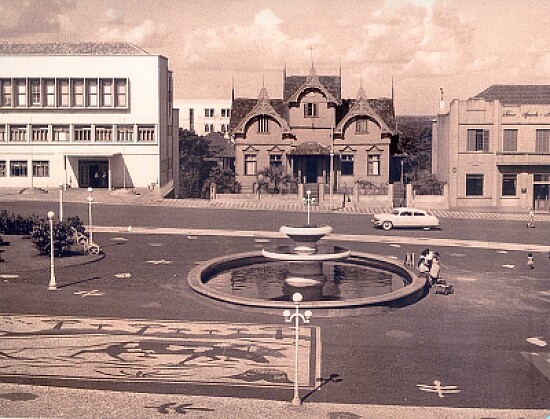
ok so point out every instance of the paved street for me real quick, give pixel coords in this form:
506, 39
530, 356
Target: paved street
483, 347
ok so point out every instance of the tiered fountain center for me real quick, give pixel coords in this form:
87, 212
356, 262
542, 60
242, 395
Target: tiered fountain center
305, 259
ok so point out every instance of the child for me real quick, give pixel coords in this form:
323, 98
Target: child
530, 261
434, 269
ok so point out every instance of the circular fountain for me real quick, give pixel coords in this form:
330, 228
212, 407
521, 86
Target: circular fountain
305, 260
330, 278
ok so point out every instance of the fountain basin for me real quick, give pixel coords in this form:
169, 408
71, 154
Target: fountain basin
320, 253
306, 234
412, 292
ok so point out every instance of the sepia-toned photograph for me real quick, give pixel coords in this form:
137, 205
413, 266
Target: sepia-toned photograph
275, 209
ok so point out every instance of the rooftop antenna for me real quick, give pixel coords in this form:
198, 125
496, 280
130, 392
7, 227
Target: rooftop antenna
232, 89
441, 101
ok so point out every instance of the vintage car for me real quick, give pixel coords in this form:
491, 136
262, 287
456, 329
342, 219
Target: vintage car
406, 218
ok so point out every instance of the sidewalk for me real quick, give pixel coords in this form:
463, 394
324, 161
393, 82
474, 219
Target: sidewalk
145, 197
54, 402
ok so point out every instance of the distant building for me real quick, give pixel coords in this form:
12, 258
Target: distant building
314, 134
205, 116
87, 115
493, 149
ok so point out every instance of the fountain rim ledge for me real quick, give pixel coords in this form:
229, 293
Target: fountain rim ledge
416, 286
305, 230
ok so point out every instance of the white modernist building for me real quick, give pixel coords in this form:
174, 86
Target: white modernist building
205, 116
86, 115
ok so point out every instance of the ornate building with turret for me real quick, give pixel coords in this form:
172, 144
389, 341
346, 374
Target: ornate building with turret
314, 134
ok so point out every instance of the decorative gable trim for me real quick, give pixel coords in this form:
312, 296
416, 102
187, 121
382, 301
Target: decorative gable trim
362, 108
312, 83
263, 107
374, 148
275, 149
250, 149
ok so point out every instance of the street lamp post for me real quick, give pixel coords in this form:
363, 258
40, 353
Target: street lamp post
296, 316
61, 202
331, 163
52, 286
89, 199
308, 201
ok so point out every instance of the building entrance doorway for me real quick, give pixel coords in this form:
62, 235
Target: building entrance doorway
541, 197
93, 173
311, 170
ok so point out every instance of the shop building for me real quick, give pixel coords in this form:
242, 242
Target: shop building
493, 150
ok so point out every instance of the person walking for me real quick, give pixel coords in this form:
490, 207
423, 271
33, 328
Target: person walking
530, 261
531, 223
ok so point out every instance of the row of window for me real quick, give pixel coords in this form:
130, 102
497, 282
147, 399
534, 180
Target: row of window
210, 128
346, 164
474, 184
19, 168
211, 112
63, 93
77, 133
478, 140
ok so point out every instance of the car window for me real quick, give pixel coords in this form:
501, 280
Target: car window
419, 214
406, 214
395, 212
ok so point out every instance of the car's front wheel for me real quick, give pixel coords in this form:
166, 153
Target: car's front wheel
387, 225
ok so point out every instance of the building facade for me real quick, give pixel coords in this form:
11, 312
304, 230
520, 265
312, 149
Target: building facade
493, 150
313, 134
86, 115
205, 116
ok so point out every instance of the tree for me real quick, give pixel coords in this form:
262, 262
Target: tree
274, 179
224, 179
193, 150
415, 141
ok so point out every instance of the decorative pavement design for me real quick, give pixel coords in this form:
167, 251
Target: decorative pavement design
124, 350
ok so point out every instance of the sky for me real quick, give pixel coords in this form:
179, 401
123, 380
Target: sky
460, 46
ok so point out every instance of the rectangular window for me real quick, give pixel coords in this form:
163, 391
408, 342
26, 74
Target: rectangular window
39, 133
191, 119
209, 113
36, 99
120, 93
83, 133
61, 133
146, 134
63, 92
276, 160
509, 184
6, 98
18, 168
478, 140
18, 133
106, 93
49, 93
21, 92
474, 185
250, 164
263, 125
92, 93
3, 172
104, 134
361, 126
41, 168
542, 145
226, 113
373, 164
125, 133
347, 164
310, 110
78, 92
510, 140
3, 137
224, 128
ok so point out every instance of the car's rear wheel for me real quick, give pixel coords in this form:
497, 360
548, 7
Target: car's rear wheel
387, 225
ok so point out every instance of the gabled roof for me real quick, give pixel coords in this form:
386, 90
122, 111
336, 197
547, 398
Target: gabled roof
516, 94
332, 84
241, 107
383, 107
70, 48
263, 106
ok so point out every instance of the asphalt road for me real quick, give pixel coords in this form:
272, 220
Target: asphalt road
479, 339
